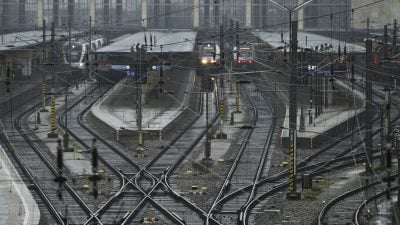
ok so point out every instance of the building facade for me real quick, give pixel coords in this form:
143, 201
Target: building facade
188, 14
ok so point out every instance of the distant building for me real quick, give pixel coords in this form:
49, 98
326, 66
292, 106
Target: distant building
379, 14
187, 14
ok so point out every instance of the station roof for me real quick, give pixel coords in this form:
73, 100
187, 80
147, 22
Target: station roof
172, 41
307, 40
20, 40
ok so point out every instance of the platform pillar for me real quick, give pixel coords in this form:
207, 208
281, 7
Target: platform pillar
248, 13
92, 11
39, 14
144, 13
196, 13
300, 16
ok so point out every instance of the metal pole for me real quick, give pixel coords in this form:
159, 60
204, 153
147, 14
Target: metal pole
89, 58
66, 136
293, 194
397, 137
395, 32
44, 76
139, 94
207, 151
368, 108
53, 133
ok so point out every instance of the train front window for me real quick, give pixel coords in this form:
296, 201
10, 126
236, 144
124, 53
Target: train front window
75, 56
208, 53
76, 51
245, 54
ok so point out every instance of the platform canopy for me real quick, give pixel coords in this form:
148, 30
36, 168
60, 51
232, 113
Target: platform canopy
171, 41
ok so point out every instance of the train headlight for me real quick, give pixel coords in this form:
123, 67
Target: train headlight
80, 64
204, 61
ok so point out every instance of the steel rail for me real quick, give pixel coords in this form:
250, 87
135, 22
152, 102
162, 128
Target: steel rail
357, 213
245, 208
113, 148
235, 163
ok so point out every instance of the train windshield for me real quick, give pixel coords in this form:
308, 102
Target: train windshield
76, 52
208, 51
246, 54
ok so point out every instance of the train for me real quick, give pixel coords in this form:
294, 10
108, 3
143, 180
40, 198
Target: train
209, 54
79, 51
393, 55
243, 58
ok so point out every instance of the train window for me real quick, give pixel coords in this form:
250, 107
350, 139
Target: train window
93, 46
245, 54
208, 51
98, 43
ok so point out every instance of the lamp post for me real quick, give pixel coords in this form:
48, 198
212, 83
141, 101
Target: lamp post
291, 11
292, 194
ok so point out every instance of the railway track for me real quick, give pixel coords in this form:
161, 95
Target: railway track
38, 168
144, 185
250, 160
330, 165
362, 213
344, 209
337, 211
337, 159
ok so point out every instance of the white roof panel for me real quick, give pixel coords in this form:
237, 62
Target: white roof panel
28, 38
313, 40
172, 41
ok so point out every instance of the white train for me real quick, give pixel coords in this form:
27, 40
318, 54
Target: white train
79, 50
209, 53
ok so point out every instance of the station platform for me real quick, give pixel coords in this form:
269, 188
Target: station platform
334, 119
158, 109
317, 128
25, 39
307, 40
168, 40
